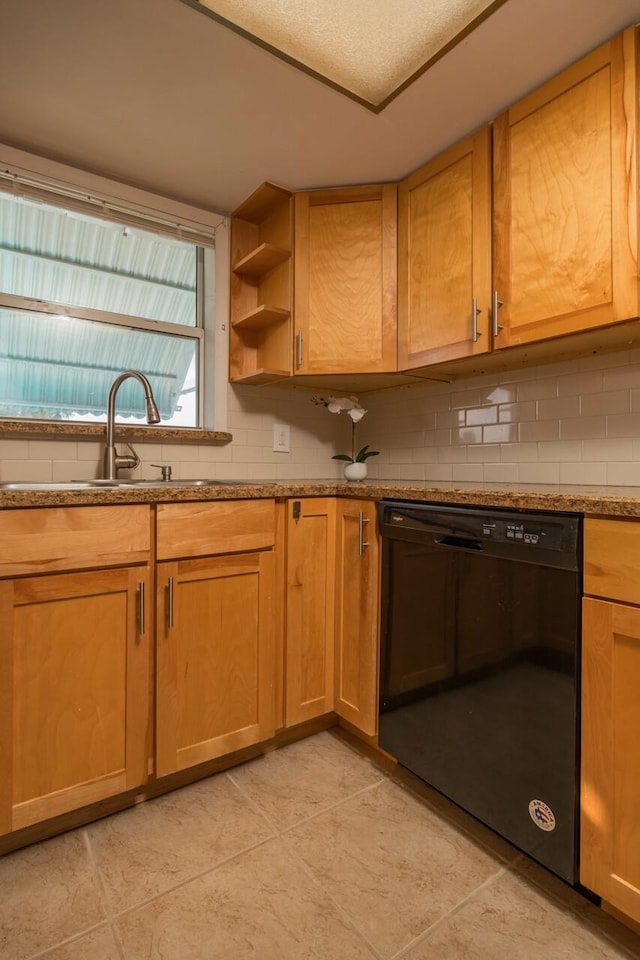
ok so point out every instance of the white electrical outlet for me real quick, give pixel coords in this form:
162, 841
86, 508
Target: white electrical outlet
281, 437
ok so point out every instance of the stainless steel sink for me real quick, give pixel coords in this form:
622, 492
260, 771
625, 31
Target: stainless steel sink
44, 485
168, 484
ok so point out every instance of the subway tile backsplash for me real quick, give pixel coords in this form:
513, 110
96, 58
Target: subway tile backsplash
575, 422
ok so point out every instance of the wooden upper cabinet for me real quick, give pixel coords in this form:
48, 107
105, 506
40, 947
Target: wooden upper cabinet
345, 280
444, 256
565, 200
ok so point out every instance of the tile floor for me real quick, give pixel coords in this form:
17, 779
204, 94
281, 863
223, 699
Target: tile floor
308, 853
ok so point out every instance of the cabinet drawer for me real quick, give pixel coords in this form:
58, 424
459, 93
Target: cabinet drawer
70, 538
612, 559
202, 529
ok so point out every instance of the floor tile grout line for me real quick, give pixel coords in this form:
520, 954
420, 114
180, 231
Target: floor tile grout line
561, 900
351, 923
104, 896
196, 876
68, 940
255, 806
467, 831
449, 913
115, 915
333, 806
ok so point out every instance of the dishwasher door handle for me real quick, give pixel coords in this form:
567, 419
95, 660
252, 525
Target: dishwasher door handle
463, 543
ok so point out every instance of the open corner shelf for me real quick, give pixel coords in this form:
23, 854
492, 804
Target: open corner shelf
261, 316
264, 258
260, 339
261, 376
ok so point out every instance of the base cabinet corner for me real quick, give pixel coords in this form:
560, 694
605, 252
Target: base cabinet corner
610, 777
357, 619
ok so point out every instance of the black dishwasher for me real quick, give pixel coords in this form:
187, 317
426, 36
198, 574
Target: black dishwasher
479, 673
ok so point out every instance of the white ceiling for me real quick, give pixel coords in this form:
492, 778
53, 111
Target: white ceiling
153, 93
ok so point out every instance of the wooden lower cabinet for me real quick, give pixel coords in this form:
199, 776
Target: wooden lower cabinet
610, 791
357, 605
215, 657
310, 608
331, 660
74, 691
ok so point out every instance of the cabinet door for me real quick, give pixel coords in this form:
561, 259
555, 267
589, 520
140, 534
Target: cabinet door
215, 657
565, 231
444, 256
610, 791
345, 280
74, 691
310, 606
357, 604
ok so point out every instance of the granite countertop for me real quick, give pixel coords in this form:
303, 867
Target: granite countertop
591, 500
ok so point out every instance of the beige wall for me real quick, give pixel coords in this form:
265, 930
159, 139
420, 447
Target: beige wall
251, 414
574, 422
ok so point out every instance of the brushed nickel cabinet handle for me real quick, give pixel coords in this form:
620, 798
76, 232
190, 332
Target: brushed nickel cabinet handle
170, 603
362, 543
474, 320
299, 348
141, 617
496, 306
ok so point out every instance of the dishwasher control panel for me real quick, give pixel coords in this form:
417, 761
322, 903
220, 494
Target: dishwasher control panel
519, 533
530, 533
489, 530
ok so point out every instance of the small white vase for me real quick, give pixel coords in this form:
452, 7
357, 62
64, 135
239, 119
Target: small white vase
355, 471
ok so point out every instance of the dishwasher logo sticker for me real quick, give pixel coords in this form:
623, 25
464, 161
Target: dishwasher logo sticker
542, 815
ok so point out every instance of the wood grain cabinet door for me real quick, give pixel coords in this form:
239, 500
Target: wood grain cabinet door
357, 604
74, 691
215, 657
565, 199
610, 791
444, 256
345, 272
310, 605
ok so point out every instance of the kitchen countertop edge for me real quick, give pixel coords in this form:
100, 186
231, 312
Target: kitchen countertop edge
593, 501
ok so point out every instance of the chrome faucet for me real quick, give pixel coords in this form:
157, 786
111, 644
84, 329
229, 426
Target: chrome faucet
113, 461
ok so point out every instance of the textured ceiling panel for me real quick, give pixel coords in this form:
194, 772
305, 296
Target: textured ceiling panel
370, 48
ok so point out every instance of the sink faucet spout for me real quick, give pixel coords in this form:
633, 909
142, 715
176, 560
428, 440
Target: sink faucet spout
113, 461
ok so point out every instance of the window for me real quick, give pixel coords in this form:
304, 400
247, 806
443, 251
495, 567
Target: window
82, 299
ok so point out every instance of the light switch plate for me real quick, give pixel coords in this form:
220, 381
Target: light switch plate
281, 437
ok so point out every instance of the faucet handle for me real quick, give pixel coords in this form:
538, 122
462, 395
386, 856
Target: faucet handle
165, 468
127, 462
